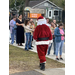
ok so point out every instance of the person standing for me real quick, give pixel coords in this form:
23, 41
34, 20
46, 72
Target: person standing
42, 35
20, 30
12, 29
54, 43
52, 31
28, 35
31, 20
48, 22
54, 21
32, 26
59, 39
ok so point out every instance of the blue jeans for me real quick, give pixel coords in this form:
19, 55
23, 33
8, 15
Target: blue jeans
54, 44
31, 37
59, 46
13, 34
28, 41
49, 49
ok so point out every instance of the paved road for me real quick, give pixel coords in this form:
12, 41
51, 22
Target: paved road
50, 71
28, 73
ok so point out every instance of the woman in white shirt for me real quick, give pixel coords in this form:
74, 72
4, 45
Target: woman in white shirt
27, 33
48, 22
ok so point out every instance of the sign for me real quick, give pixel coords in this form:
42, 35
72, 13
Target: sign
34, 15
27, 8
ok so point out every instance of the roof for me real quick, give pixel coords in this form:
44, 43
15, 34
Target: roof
33, 3
36, 3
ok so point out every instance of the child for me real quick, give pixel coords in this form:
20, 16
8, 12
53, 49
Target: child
32, 26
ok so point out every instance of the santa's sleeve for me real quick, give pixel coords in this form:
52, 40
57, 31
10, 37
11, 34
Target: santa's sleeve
35, 34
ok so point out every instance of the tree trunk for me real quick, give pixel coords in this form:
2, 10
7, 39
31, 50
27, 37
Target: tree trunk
26, 4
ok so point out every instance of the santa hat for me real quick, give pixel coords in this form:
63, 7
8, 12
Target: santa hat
41, 20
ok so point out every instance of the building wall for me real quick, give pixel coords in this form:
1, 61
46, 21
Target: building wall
50, 7
46, 8
36, 10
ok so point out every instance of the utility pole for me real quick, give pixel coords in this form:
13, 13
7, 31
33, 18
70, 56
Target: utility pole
26, 2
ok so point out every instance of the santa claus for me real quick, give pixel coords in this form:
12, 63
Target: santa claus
43, 37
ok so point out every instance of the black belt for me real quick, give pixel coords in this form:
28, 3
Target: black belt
42, 39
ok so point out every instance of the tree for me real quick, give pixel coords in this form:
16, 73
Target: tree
60, 3
25, 5
21, 3
63, 4
26, 2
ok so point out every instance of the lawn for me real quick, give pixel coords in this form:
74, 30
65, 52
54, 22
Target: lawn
21, 60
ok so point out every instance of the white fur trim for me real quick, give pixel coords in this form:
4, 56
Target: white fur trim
44, 42
51, 41
41, 21
44, 62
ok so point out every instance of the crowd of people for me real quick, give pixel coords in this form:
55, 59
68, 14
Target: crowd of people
20, 28
58, 37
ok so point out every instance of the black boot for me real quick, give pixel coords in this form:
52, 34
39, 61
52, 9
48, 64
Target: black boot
40, 64
42, 67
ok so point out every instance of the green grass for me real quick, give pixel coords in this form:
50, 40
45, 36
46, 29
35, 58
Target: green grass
20, 60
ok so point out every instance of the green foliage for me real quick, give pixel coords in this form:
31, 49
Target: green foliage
11, 3
18, 3
60, 3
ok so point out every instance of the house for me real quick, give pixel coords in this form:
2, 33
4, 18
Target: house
45, 8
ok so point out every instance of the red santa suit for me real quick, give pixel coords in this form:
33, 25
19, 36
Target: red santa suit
43, 37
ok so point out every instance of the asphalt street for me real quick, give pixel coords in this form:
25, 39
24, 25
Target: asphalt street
28, 73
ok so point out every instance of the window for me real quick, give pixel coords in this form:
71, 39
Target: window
49, 13
55, 12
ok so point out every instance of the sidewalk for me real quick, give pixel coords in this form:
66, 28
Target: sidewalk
54, 71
